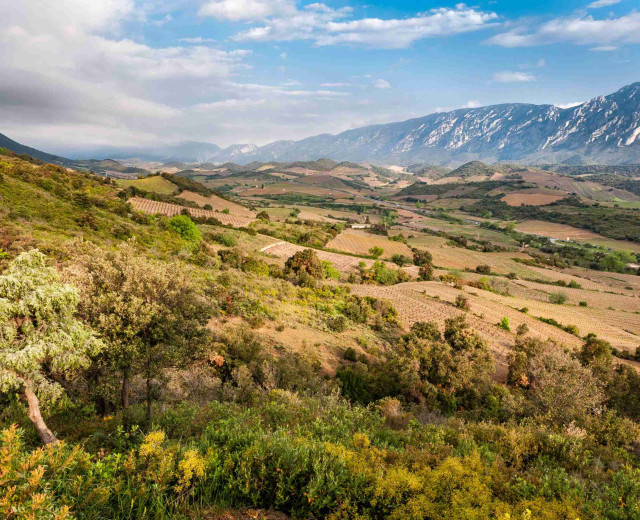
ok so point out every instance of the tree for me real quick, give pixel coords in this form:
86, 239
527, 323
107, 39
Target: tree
305, 262
152, 315
263, 215
41, 343
185, 227
421, 257
562, 390
376, 251
425, 273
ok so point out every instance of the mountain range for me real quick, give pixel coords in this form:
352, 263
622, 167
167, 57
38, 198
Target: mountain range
604, 130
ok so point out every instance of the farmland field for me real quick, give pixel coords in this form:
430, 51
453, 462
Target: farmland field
532, 197
217, 203
359, 242
564, 232
156, 184
153, 207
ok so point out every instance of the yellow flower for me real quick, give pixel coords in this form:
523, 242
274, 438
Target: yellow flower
152, 443
191, 466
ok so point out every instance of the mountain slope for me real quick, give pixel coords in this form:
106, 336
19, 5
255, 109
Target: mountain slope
16, 147
605, 129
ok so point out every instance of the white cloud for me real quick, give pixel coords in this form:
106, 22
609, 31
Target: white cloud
604, 48
197, 39
381, 84
513, 77
602, 3
327, 26
246, 10
471, 104
283, 55
571, 104
335, 85
581, 30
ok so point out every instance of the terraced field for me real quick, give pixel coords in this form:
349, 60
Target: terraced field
153, 207
564, 232
218, 203
359, 242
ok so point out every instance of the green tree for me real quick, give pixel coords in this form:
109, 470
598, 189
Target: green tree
376, 251
41, 343
151, 314
185, 227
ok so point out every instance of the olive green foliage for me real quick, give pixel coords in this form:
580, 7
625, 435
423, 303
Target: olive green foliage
305, 263
421, 257
380, 274
425, 272
376, 251
558, 298
150, 314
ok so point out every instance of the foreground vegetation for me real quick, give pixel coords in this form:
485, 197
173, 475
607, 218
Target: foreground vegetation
137, 382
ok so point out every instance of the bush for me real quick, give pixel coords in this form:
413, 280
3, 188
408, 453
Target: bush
504, 323
376, 252
263, 215
226, 239
330, 272
400, 260
483, 269
184, 226
337, 323
305, 261
350, 354
582, 304
462, 302
255, 266
422, 257
558, 298
425, 273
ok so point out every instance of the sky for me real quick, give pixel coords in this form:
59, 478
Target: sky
76, 75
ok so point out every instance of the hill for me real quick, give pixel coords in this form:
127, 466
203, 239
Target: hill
18, 148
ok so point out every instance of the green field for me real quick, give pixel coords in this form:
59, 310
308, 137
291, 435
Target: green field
155, 184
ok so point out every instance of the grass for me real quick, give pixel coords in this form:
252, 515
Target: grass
155, 184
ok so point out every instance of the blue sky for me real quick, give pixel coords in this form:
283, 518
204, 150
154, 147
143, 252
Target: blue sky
79, 75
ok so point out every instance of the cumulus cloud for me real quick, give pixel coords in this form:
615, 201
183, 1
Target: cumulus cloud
381, 84
513, 77
602, 3
328, 26
581, 30
246, 10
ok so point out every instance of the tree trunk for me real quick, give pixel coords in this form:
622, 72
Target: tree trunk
124, 396
149, 389
36, 417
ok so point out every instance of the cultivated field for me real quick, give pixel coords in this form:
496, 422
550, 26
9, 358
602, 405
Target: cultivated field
156, 184
153, 207
218, 203
564, 232
359, 242
532, 197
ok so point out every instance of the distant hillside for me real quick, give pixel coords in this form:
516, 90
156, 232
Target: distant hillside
471, 169
18, 148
